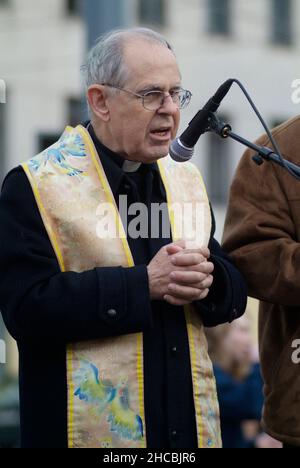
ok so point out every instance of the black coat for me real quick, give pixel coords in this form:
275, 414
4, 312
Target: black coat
44, 309
240, 401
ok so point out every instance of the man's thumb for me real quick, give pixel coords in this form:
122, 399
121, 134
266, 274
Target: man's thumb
176, 247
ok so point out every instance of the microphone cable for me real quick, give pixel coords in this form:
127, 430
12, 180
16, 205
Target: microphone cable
265, 126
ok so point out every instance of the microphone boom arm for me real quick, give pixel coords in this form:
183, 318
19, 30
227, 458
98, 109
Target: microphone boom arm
262, 152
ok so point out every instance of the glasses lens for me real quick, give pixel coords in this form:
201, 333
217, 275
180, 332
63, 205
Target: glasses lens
184, 98
153, 100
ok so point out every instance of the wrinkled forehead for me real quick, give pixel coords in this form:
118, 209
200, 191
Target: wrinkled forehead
148, 61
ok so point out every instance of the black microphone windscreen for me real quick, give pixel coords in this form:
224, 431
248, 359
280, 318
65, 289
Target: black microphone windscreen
182, 148
223, 91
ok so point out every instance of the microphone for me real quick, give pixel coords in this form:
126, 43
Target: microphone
182, 149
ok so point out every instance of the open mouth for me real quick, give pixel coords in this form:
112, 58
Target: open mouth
162, 132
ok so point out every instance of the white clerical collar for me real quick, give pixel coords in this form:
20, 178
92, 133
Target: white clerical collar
131, 166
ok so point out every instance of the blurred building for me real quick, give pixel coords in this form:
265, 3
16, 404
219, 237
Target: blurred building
257, 42
42, 46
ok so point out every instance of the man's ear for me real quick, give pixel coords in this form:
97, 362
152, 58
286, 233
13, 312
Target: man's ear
97, 99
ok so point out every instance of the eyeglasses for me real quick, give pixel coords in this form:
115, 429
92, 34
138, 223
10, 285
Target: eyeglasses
154, 100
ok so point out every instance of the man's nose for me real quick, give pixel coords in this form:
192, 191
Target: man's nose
169, 106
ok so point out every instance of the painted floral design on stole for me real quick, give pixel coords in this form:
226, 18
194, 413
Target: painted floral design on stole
57, 156
108, 401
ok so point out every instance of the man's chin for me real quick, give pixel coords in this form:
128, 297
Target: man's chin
160, 153
154, 159
154, 153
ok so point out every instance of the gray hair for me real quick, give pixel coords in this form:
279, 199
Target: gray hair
105, 62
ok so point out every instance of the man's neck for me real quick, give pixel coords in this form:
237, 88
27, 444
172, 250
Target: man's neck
128, 166
105, 139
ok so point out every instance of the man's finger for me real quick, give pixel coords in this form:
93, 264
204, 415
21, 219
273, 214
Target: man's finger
176, 247
188, 259
207, 283
184, 292
206, 268
187, 277
180, 243
205, 252
204, 295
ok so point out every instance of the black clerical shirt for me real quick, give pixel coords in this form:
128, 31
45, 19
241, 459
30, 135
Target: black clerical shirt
44, 309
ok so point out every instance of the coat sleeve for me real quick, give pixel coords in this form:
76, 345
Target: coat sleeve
260, 232
40, 302
227, 299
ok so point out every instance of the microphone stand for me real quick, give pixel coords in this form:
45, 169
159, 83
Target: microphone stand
262, 152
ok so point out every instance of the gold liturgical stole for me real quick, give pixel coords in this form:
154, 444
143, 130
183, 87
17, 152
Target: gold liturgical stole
105, 377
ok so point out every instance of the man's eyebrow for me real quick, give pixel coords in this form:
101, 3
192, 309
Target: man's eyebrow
150, 88
156, 87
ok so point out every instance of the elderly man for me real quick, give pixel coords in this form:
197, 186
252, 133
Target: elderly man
262, 234
109, 322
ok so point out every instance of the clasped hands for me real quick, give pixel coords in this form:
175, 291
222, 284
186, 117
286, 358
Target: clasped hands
180, 275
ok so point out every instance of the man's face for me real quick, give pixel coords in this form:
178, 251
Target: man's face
136, 133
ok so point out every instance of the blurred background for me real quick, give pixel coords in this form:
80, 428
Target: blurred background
43, 45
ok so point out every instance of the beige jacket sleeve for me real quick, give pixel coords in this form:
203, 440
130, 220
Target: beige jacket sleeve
262, 228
